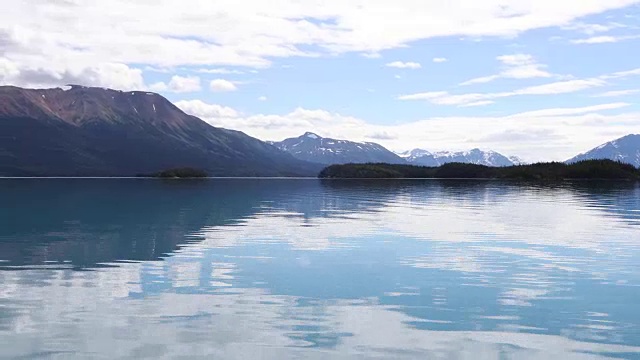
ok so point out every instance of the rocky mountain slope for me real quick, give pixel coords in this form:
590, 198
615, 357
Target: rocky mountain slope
82, 131
625, 149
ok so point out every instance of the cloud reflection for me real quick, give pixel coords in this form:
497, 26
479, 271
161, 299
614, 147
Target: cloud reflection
315, 270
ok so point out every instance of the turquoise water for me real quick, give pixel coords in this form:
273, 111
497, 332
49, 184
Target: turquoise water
305, 269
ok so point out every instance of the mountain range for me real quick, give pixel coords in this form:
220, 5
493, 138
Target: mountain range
314, 148
475, 156
84, 131
87, 131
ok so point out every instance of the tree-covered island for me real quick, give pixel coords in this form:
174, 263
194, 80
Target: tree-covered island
553, 171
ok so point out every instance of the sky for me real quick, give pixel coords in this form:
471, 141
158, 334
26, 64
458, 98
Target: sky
542, 80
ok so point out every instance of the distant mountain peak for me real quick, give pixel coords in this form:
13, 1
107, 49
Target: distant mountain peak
311, 135
625, 149
315, 148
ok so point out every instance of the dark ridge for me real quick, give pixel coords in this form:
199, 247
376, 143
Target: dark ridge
554, 171
178, 173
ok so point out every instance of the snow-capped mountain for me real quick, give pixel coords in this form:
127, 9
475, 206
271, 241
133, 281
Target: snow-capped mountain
475, 156
314, 148
626, 149
420, 157
517, 160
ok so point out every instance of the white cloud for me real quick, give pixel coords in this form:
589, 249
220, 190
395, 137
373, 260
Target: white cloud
591, 29
560, 87
573, 111
481, 80
8, 70
522, 66
444, 98
158, 87
516, 66
115, 76
622, 74
206, 111
596, 40
219, 71
181, 84
478, 99
424, 96
516, 59
439, 60
478, 103
276, 127
221, 85
111, 75
382, 135
178, 84
404, 65
605, 39
224, 33
161, 70
617, 93
373, 55
262, 98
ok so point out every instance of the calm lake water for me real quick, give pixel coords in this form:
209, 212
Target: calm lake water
306, 269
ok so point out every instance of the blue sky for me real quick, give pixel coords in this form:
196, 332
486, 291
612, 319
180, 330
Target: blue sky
543, 81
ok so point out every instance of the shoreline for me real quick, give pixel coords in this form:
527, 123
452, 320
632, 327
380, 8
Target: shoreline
337, 179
